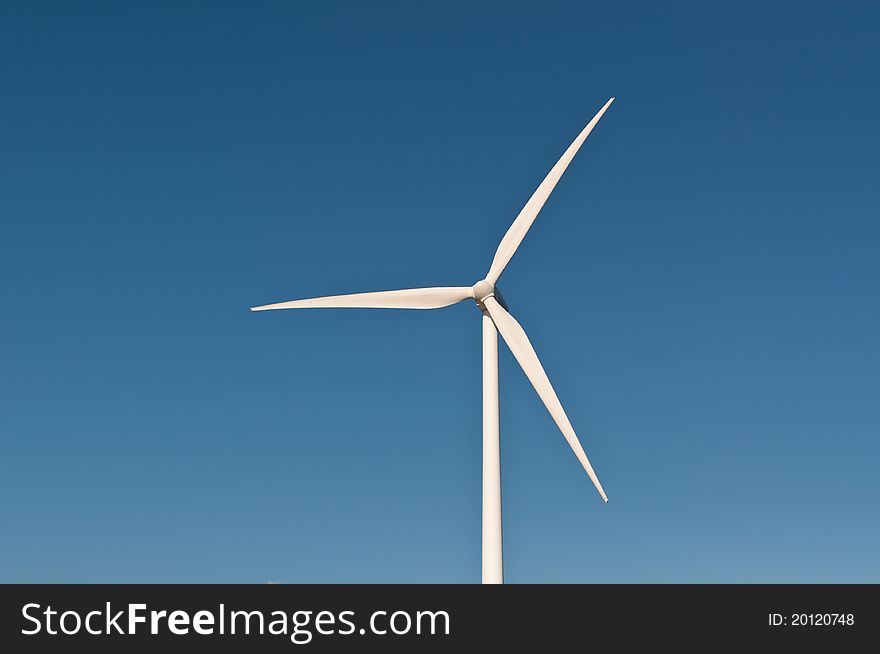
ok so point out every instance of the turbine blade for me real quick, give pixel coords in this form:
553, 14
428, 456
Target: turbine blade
411, 298
516, 339
526, 217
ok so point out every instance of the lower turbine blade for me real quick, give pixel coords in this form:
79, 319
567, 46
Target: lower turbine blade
515, 337
411, 298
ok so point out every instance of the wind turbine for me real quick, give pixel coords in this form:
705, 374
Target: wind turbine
496, 318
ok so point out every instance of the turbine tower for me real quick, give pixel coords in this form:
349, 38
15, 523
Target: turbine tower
496, 318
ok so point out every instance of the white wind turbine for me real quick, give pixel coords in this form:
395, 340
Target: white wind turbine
495, 319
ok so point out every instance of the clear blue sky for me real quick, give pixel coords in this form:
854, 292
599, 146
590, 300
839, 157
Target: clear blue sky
702, 289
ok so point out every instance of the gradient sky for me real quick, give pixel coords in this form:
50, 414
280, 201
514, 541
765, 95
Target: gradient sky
702, 288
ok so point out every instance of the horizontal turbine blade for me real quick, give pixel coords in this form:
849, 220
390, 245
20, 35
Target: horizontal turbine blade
526, 217
411, 298
516, 339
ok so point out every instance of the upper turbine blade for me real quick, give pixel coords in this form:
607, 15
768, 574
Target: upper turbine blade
519, 344
526, 217
411, 298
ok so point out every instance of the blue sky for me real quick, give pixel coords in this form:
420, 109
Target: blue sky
701, 287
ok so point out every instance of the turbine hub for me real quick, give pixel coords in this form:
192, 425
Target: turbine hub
482, 290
